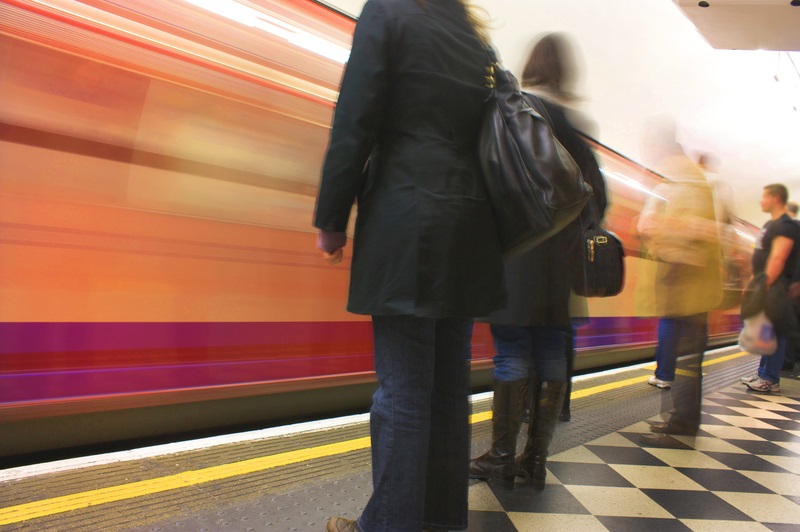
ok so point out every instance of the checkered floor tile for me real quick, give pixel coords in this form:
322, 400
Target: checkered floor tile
740, 473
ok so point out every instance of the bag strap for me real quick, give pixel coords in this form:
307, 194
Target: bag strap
492, 54
537, 105
593, 219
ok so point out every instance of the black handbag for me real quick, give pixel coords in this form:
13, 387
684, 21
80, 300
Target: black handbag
600, 268
533, 185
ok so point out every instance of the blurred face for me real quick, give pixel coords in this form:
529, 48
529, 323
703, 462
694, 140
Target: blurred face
768, 202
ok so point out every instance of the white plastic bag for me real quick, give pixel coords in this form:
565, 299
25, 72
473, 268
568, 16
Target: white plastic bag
758, 336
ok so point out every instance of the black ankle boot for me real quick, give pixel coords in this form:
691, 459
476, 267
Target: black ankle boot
548, 397
498, 462
565, 414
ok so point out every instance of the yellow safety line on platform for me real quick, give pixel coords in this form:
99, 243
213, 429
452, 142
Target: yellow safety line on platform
726, 358
66, 503
77, 501
480, 416
577, 394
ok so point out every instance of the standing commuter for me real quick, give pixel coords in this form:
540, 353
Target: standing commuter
776, 255
678, 225
671, 328
530, 334
426, 256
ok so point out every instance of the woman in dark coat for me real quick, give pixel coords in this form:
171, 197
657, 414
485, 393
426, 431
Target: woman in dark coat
426, 257
531, 334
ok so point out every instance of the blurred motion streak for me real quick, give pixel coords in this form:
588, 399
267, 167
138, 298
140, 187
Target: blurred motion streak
252, 17
158, 167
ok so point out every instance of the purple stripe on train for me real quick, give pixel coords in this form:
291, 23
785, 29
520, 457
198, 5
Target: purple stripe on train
43, 337
41, 362
72, 337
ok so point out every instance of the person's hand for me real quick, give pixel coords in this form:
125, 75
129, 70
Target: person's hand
335, 257
331, 244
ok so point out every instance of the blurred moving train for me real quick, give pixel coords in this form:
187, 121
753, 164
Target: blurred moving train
158, 270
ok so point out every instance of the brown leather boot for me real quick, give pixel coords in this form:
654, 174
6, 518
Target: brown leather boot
498, 462
548, 397
340, 524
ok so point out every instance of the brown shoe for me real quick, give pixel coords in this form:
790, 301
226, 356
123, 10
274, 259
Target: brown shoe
340, 524
671, 427
660, 440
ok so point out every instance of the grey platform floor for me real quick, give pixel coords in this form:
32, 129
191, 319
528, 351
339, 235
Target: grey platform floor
749, 441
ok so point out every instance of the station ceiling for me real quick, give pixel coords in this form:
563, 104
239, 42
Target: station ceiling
746, 24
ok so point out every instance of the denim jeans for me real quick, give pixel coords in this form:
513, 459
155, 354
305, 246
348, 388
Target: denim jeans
770, 366
419, 423
685, 337
678, 337
523, 350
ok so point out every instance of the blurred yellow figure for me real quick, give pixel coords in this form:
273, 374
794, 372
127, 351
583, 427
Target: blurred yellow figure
683, 278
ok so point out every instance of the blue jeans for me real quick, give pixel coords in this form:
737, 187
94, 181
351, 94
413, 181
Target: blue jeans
770, 366
681, 337
419, 423
678, 337
523, 350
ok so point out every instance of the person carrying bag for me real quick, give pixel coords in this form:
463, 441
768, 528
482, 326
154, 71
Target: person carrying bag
534, 186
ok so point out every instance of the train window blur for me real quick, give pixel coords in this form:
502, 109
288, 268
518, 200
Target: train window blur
176, 106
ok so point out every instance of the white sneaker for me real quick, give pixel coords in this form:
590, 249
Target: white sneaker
750, 378
658, 383
760, 385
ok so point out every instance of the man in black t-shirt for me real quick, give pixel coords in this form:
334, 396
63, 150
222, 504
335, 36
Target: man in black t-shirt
776, 255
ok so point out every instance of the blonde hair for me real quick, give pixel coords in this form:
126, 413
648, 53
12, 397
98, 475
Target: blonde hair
478, 18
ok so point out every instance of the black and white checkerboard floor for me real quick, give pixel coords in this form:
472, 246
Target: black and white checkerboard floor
741, 473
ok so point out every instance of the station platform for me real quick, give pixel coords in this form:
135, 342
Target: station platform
741, 472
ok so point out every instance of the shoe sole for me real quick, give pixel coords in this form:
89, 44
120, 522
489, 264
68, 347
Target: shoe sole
663, 441
773, 389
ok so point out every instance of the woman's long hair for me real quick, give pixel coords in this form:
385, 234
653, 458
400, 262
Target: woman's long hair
477, 17
550, 65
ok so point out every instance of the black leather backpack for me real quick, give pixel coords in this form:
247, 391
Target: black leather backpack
533, 185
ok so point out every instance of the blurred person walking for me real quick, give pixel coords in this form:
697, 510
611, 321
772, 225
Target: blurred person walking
426, 256
669, 330
776, 255
531, 333
679, 228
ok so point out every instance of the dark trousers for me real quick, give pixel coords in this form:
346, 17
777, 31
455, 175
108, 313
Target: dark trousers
419, 423
686, 346
525, 351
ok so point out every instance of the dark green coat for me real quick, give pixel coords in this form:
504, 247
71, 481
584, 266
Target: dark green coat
410, 103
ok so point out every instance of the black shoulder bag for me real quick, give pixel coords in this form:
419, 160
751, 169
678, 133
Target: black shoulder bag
600, 268
533, 185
